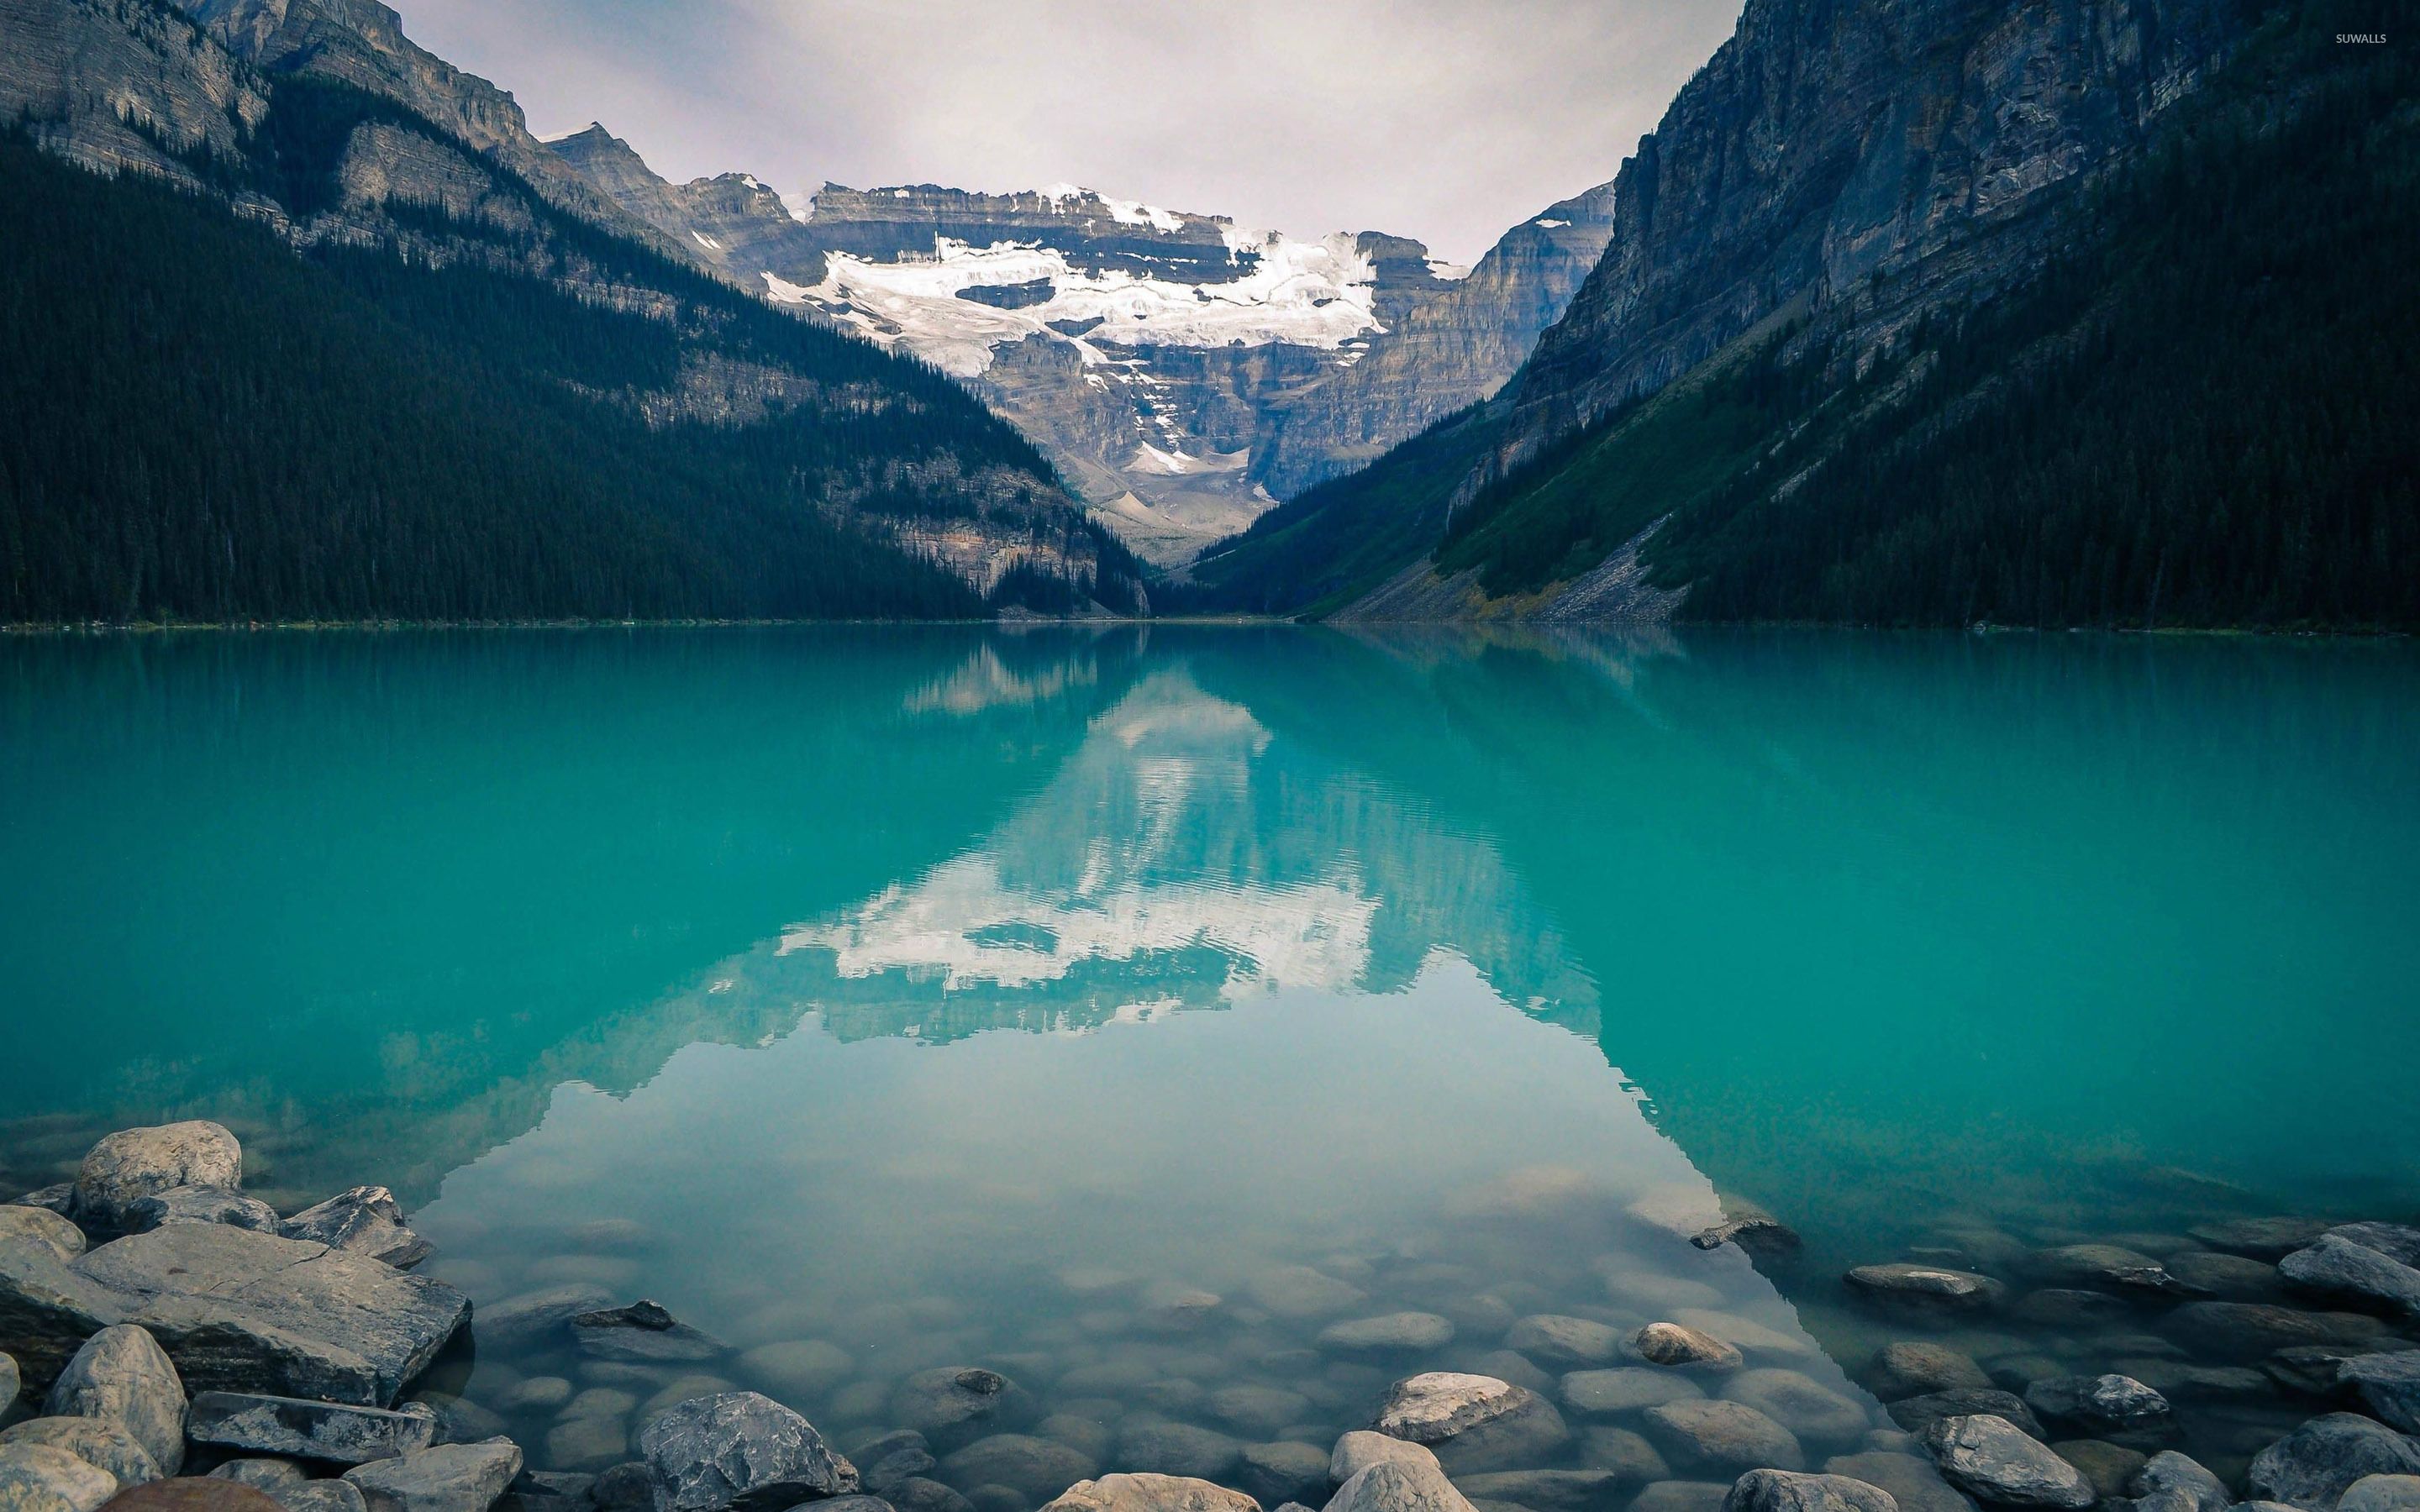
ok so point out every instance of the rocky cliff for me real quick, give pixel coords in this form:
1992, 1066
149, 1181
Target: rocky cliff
1182, 372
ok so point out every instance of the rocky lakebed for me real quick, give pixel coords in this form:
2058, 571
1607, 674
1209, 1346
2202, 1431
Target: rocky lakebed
169, 1343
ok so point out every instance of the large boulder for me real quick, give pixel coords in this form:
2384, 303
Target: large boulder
2311, 1467
333, 1432
738, 1450
1151, 1493
1472, 1422
121, 1375
1780, 1491
96, 1440
41, 1477
450, 1477
1722, 1438
1399, 1486
134, 1163
2388, 1385
1994, 1461
365, 1221
47, 1307
199, 1205
241, 1311
2336, 1266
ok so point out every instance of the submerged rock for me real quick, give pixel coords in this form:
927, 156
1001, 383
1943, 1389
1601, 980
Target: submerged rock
955, 1404
1541, 1491
1472, 1422
133, 1163
2248, 1330
2388, 1385
2110, 1404
450, 1477
1145, 1493
1036, 1469
2263, 1239
1298, 1292
2312, 1466
1677, 1346
365, 1221
1917, 1414
644, 1332
1913, 1368
1807, 1408
2335, 1266
740, 1451
2171, 1482
1285, 1470
1558, 1341
332, 1431
1627, 1389
1722, 1437
1171, 1448
1995, 1460
1905, 1285
200, 1205
122, 1375
1760, 1234
2108, 1265
1911, 1479
1782, 1490
1391, 1334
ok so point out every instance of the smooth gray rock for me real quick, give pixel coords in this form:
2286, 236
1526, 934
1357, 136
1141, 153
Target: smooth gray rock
49, 1230
200, 1205
1722, 1438
2248, 1330
365, 1221
1782, 1490
122, 1375
1403, 1332
958, 1404
1298, 1292
1914, 1367
2396, 1241
96, 1440
2236, 1277
2109, 1466
133, 1163
590, 1443
2335, 1266
1807, 1408
1282, 1471
1992, 1459
1263, 1411
1927, 1286
2381, 1493
894, 1457
738, 1450
2110, 1267
1543, 1491
1625, 1389
1917, 1414
1682, 1496
1036, 1469
2263, 1239
1399, 1486
2108, 1405
2171, 1482
449, 1478
459, 1420
1170, 1448
2311, 1467
1558, 1341
37, 1477
1361, 1448
644, 1333
333, 1431
59, 1198
1677, 1346
1913, 1479
1146, 1492
2388, 1385
1472, 1422
1627, 1453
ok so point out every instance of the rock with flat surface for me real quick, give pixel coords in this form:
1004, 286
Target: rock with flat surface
133, 1163
2248, 1330
1399, 1486
333, 1432
41, 1226
1916, 1414
644, 1333
123, 1375
2388, 1385
1807, 1408
1677, 1346
1782, 1490
2381, 1493
200, 1205
2335, 1266
1560, 1342
1722, 1438
1361, 1448
241, 1311
738, 1450
1625, 1389
450, 1477
2263, 1239
1405, 1333
40, 1477
1145, 1493
96, 1440
1472, 1422
537, 1319
2107, 1267
2108, 1405
1994, 1461
365, 1221
1904, 1285
2311, 1467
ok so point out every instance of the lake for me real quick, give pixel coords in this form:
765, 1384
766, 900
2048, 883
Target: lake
1204, 1027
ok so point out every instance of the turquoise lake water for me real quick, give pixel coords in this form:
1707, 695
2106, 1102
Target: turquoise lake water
925, 996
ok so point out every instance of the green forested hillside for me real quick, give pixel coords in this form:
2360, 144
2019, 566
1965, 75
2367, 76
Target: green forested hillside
198, 424
2200, 417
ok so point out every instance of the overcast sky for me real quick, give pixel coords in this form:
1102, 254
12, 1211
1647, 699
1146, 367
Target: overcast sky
1449, 120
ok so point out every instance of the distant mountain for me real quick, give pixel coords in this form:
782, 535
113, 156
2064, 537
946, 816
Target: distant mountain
2021, 312
341, 339
1182, 372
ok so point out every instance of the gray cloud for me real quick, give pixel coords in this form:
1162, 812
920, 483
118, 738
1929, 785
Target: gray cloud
1425, 118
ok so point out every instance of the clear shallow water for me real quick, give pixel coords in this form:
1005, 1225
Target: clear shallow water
951, 997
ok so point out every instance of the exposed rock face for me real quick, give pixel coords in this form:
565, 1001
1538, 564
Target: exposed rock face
162, 97
1183, 372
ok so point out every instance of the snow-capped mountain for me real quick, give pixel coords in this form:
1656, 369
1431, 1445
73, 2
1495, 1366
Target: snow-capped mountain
1183, 372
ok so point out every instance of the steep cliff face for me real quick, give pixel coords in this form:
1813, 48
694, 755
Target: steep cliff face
113, 88
1182, 372
1863, 157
